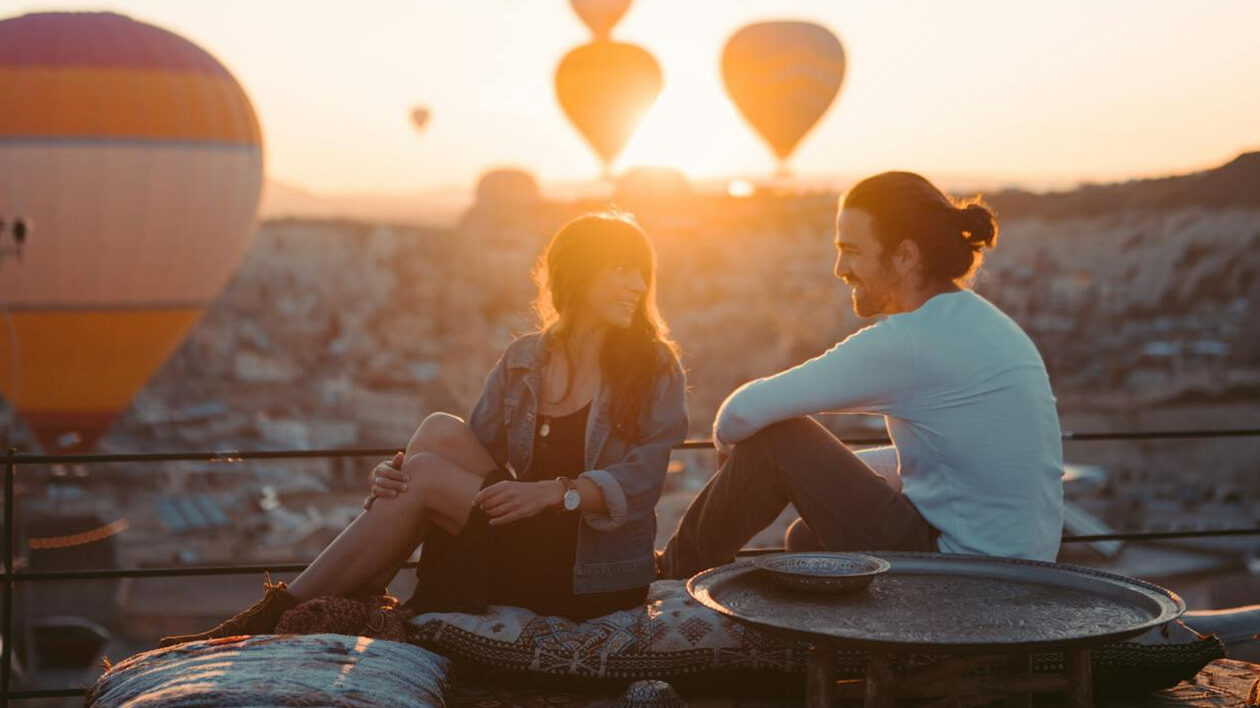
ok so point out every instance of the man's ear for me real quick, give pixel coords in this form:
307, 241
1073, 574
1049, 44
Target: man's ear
907, 257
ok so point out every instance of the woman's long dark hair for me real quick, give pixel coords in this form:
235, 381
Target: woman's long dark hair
631, 359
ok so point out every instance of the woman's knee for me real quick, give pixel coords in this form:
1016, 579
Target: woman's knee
424, 470
438, 430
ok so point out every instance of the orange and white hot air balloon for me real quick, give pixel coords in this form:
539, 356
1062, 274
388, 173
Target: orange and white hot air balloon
420, 117
605, 88
600, 16
783, 76
139, 158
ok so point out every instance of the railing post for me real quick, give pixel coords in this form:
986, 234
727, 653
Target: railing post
6, 620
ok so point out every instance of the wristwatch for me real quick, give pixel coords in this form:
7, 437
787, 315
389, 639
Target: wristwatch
572, 498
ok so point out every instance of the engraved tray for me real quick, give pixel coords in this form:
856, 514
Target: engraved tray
947, 602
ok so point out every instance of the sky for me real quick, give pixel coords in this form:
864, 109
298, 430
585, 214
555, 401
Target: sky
1043, 93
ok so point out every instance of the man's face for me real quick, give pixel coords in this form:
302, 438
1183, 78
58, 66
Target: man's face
859, 263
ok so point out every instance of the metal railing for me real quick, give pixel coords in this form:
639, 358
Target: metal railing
13, 461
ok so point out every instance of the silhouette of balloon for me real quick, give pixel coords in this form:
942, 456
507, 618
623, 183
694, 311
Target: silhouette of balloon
600, 15
140, 158
604, 89
783, 76
420, 117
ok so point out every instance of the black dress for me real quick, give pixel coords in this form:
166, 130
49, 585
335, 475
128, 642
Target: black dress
527, 563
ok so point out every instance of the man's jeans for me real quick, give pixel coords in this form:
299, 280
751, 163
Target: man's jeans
844, 503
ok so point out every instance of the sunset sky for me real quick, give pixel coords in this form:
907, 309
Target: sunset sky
1050, 93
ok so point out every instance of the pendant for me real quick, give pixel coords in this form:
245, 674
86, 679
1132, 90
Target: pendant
544, 430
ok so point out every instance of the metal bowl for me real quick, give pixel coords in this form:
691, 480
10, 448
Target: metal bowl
822, 572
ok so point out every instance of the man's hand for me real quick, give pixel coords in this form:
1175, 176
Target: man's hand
387, 480
505, 502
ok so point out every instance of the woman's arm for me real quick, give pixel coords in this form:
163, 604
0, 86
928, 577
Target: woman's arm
508, 501
631, 487
486, 418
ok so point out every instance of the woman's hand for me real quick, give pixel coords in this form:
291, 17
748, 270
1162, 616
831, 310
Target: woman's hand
505, 502
387, 480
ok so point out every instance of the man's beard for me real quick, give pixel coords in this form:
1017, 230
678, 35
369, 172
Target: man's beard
871, 299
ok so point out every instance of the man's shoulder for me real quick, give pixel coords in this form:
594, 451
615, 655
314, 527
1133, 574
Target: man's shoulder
947, 309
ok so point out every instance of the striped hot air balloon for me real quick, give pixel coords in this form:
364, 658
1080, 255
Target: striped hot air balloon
139, 159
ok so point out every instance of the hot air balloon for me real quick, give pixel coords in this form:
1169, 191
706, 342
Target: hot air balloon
140, 158
419, 117
600, 15
604, 89
783, 76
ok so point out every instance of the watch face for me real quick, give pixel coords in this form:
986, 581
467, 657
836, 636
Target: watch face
571, 500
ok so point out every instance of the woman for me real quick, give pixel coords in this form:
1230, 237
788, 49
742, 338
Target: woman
546, 497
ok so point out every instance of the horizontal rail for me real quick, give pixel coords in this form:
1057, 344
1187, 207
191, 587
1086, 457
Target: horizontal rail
45, 693
231, 456
1160, 535
190, 571
163, 572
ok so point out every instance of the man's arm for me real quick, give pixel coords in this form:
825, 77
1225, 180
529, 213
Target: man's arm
866, 373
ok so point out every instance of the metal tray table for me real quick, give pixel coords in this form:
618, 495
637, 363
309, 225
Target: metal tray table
956, 604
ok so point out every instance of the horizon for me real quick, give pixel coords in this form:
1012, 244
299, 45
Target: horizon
1041, 98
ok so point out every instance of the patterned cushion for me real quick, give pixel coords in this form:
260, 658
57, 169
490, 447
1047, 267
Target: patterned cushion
673, 635
275, 670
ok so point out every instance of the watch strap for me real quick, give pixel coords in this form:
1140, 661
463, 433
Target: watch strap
569, 487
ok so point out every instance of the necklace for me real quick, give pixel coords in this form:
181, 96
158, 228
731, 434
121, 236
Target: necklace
570, 380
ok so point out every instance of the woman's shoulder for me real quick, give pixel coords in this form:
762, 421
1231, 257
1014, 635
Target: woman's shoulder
524, 349
669, 363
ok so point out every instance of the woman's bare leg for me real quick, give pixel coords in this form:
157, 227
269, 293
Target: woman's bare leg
450, 437
446, 464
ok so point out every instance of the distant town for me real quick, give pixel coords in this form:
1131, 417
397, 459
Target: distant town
341, 334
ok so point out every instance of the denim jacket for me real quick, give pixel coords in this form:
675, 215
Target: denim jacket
614, 550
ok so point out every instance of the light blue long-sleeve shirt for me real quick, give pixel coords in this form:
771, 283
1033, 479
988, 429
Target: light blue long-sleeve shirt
967, 403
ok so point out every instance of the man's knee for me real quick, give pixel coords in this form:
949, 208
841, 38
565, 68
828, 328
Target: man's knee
785, 441
800, 538
775, 435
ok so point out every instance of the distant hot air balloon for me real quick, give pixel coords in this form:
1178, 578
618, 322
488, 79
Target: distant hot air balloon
140, 158
600, 15
420, 117
783, 76
604, 89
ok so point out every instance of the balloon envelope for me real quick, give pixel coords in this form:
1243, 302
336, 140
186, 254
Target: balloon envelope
419, 117
139, 157
604, 89
600, 15
783, 76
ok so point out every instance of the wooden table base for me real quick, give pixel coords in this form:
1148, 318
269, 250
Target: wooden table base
947, 681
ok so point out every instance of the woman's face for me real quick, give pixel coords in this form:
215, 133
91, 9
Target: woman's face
615, 293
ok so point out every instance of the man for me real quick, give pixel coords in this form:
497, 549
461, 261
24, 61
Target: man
976, 461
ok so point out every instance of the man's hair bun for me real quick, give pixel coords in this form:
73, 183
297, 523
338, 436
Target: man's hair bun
978, 226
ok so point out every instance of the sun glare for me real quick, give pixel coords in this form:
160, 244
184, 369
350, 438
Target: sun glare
740, 188
689, 132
